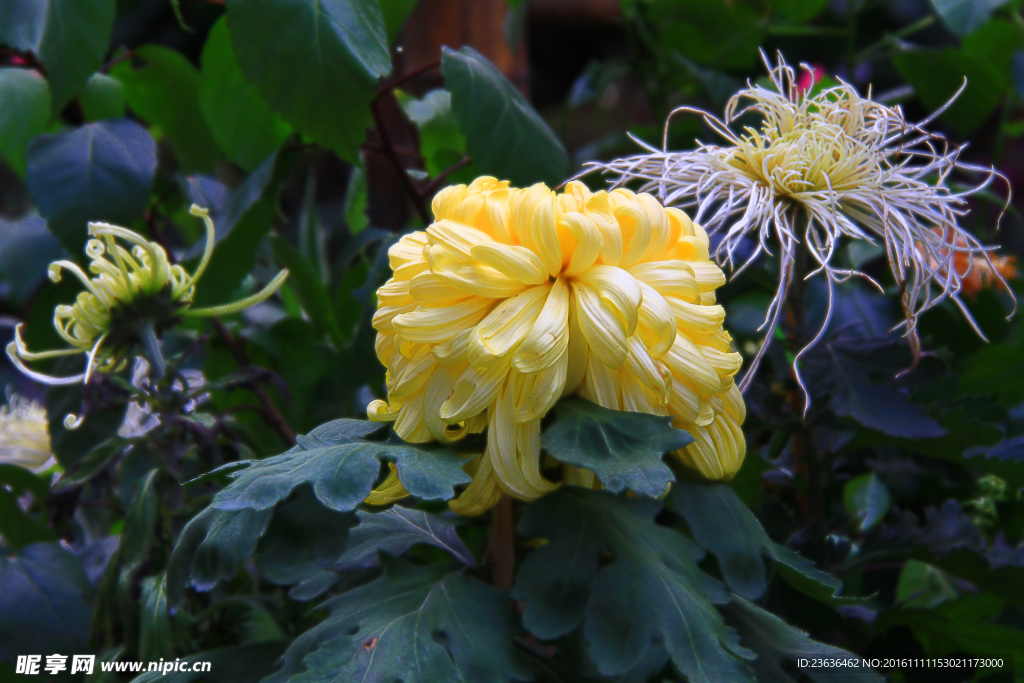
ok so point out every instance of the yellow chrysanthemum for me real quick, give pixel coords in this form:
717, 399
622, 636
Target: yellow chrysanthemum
25, 435
514, 298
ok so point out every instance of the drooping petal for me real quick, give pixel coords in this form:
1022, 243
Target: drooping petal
433, 325
603, 329
505, 327
517, 263
548, 338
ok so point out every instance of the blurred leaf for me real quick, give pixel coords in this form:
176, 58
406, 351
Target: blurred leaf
155, 636
442, 144
24, 113
775, 641
248, 663
964, 16
995, 370
395, 13
94, 461
210, 547
711, 32
624, 449
355, 202
922, 585
801, 574
26, 249
937, 75
649, 589
996, 42
165, 92
102, 98
505, 136
312, 290
303, 535
99, 172
17, 527
878, 406
70, 37
243, 124
800, 10
314, 63
415, 623
962, 626
866, 500
70, 446
43, 604
394, 531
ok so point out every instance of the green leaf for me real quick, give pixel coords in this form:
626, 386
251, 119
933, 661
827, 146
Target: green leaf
963, 16
240, 120
302, 536
99, 172
69, 446
711, 32
505, 136
210, 547
866, 500
394, 531
94, 461
878, 406
994, 370
800, 10
356, 197
801, 574
44, 602
26, 249
442, 143
17, 527
24, 113
417, 624
395, 13
312, 291
155, 636
70, 37
624, 449
962, 626
315, 63
342, 474
938, 74
633, 582
248, 663
775, 641
165, 92
922, 585
102, 98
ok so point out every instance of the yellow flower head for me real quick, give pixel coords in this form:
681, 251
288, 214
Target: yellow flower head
24, 435
133, 286
820, 169
514, 298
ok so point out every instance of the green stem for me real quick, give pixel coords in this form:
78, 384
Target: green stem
151, 347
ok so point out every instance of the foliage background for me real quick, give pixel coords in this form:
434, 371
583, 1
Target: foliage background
315, 147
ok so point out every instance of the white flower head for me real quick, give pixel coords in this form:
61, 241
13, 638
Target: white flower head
25, 435
820, 168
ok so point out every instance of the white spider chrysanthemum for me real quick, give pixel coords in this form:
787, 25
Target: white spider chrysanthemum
822, 167
25, 435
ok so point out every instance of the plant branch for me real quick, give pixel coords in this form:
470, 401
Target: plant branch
389, 151
124, 56
390, 85
432, 186
502, 551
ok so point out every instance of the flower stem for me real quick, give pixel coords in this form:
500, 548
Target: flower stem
503, 547
151, 347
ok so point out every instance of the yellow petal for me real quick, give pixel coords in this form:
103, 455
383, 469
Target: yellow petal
384, 345
661, 229
696, 318
651, 373
523, 205
601, 326
603, 385
599, 209
473, 278
384, 317
455, 350
725, 364
517, 263
588, 241
537, 393
709, 276
447, 201
395, 293
456, 239
578, 353
502, 447
408, 375
543, 234
634, 224
409, 248
409, 425
427, 288
380, 411
619, 289
656, 322
474, 392
432, 325
669, 278
548, 338
501, 332
734, 405
437, 390
482, 493
689, 366
528, 444
389, 491
702, 455
685, 404
637, 397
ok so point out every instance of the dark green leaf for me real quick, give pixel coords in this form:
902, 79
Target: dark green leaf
315, 63
94, 461
963, 16
394, 531
418, 624
243, 124
505, 136
69, 36
395, 13
99, 172
651, 588
43, 602
356, 196
17, 526
26, 249
442, 143
249, 663
102, 98
878, 406
342, 475
312, 290
801, 574
624, 449
775, 641
24, 113
800, 10
70, 446
866, 500
995, 369
210, 548
303, 535
938, 74
711, 32
155, 637
165, 92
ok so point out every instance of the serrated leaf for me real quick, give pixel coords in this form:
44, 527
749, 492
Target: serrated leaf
24, 113
878, 406
866, 500
650, 589
165, 92
102, 98
69, 36
302, 536
44, 602
394, 531
505, 136
342, 475
775, 641
417, 624
624, 449
248, 663
339, 47
242, 123
99, 172
963, 16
